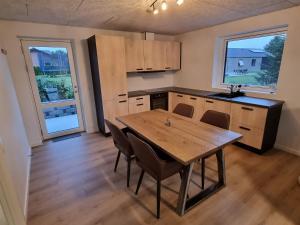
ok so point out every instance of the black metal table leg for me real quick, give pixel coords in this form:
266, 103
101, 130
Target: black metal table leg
185, 181
185, 204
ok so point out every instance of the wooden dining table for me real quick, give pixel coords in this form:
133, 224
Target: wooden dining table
186, 141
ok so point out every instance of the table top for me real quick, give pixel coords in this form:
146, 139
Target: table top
184, 140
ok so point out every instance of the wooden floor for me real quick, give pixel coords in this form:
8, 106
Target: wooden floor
73, 183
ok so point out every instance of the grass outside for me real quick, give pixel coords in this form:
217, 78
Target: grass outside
52, 81
245, 79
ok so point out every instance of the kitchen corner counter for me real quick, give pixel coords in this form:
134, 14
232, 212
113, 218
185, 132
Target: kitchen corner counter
259, 102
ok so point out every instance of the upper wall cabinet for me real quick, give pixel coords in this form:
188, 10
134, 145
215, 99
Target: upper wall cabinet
172, 55
154, 55
134, 55
145, 55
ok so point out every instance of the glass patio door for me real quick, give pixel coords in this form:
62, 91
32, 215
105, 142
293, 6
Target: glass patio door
53, 81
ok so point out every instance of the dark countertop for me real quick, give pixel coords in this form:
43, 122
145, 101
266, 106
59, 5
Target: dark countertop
260, 102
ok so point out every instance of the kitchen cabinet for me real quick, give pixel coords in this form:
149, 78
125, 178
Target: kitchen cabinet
108, 67
217, 105
139, 104
134, 55
172, 55
146, 55
154, 55
175, 99
198, 104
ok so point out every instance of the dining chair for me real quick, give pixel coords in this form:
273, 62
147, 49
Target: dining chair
122, 144
184, 110
217, 119
150, 162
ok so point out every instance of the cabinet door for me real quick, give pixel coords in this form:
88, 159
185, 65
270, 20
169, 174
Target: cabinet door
112, 66
154, 55
113, 109
173, 54
134, 55
175, 99
220, 106
198, 104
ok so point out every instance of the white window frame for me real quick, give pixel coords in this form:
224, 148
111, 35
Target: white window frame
220, 54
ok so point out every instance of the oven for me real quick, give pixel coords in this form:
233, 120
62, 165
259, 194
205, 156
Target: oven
159, 101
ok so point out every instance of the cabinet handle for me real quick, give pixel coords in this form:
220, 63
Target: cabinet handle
139, 69
209, 101
149, 68
247, 108
192, 98
179, 96
167, 67
122, 94
245, 128
139, 98
122, 101
139, 104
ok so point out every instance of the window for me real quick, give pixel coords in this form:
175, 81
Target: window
262, 71
252, 60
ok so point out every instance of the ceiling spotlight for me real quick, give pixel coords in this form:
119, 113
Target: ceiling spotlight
164, 5
179, 2
155, 10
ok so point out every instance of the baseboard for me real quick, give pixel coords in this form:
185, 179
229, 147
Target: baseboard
36, 143
288, 149
92, 129
27, 189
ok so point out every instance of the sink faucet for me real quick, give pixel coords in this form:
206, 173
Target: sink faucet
234, 88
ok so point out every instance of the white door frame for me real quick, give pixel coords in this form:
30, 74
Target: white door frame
39, 105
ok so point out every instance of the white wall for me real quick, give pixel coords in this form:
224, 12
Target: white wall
10, 32
12, 134
197, 64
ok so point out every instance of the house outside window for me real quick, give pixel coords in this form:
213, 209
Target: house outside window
252, 60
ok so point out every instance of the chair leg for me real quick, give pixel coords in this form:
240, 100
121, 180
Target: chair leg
203, 171
158, 199
117, 160
140, 182
128, 170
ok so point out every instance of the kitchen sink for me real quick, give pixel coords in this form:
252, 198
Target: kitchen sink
229, 95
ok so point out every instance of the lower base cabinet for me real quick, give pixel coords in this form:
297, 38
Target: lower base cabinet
258, 125
139, 104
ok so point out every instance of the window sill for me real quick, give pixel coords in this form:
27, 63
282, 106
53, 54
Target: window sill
248, 90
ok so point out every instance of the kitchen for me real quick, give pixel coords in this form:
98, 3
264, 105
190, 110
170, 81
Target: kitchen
134, 72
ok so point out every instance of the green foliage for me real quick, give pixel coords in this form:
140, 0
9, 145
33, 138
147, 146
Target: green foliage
245, 79
272, 66
62, 83
37, 70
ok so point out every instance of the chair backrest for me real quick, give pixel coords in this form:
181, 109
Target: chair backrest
120, 139
217, 119
145, 155
184, 110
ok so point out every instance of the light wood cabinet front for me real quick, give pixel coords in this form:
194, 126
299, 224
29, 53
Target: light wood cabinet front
154, 55
172, 58
112, 66
139, 104
249, 115
113, 109
134, 55
216, 105
198, 104
175, 99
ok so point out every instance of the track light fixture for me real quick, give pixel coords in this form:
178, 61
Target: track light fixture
153, 8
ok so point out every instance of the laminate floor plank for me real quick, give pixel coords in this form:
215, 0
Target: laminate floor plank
72, 183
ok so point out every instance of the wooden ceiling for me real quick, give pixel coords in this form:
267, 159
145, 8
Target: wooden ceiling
131, 15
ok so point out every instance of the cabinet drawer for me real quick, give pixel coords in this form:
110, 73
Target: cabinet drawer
249, 115
138, 99
198, 104
220, 106
175, 99
139, 104
252, 136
